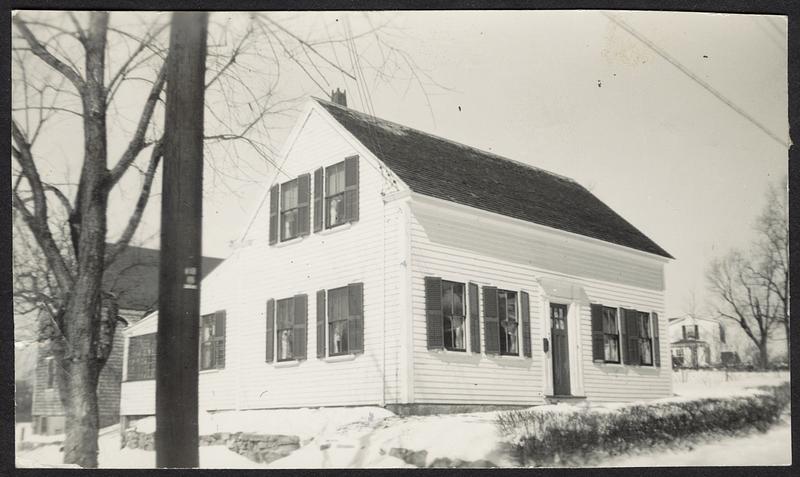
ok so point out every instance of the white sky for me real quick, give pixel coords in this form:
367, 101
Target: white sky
572, 93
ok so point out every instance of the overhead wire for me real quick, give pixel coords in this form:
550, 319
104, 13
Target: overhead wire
674, 62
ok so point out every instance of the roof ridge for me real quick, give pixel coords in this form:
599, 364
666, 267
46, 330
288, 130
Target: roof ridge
451, 141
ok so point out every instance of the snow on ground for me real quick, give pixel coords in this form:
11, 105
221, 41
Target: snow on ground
349, 437
771, 448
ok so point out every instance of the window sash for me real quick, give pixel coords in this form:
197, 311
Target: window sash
645, 340
611, 351
453, 316
509, 322
334, 195
141, 357
208, 347
284, 329
338, 326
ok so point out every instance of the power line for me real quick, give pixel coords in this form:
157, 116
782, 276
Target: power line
694, 77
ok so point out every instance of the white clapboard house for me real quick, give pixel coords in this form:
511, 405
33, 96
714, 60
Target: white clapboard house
386, 266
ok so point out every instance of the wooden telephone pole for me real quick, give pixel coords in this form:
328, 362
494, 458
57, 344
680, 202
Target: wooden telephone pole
176, 436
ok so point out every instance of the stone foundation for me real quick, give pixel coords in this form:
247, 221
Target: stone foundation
422, 409
256, 447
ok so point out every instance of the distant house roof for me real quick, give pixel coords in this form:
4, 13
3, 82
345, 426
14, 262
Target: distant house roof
133, 277
447, 170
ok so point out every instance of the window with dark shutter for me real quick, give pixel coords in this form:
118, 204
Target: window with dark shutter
474, 319
454, 330
318, 199
290, 221
351, 188
284, 329
355, 324
270, 335
304, 205
321, 324
334, 195
433, 312
611, 338
338, 315
273, 214
299, 326
525, 312
142, 357
508, 318
491, 326
645, 339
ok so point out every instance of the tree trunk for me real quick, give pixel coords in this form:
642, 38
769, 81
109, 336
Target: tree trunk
763, 355
82, 316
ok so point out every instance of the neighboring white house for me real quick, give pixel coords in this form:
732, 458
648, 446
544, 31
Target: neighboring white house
697, 342
390, 267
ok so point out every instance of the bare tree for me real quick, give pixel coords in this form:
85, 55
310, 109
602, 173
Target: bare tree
750, 288
82, 69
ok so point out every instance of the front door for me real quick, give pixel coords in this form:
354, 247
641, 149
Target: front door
558, 318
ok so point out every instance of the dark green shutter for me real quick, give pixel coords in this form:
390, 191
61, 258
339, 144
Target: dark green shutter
696, 332
623, 334
433, 312
319, 191
525, 304
355, 319
219, 339
270, 337
491, 321
273, 214
304, 204
321, 324
656, 340
299, 337
683, 330
633, 324
351, 189
474, 319
598, 339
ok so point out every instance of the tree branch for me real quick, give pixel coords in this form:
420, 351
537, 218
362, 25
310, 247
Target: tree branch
137, 142
141, 203
41, 52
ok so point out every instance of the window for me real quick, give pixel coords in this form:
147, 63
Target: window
721, 333
645, 339
289, 210
51, 372
334, 197
690, 332
509, 326
338, 311
285, 329
453, 316
142, 357
212, 341
610, 335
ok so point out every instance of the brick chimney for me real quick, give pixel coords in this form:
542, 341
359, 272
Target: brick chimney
339, 97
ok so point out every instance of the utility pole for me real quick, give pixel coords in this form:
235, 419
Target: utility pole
176, 437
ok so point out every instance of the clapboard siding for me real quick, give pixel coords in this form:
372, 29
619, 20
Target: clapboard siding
456, 246
365, 251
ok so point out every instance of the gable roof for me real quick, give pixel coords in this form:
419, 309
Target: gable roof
133, 277
445, 169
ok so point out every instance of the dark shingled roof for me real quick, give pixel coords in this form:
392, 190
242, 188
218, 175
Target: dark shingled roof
441, 168
133, 277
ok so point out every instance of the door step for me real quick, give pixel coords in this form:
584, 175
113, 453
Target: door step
567, 398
